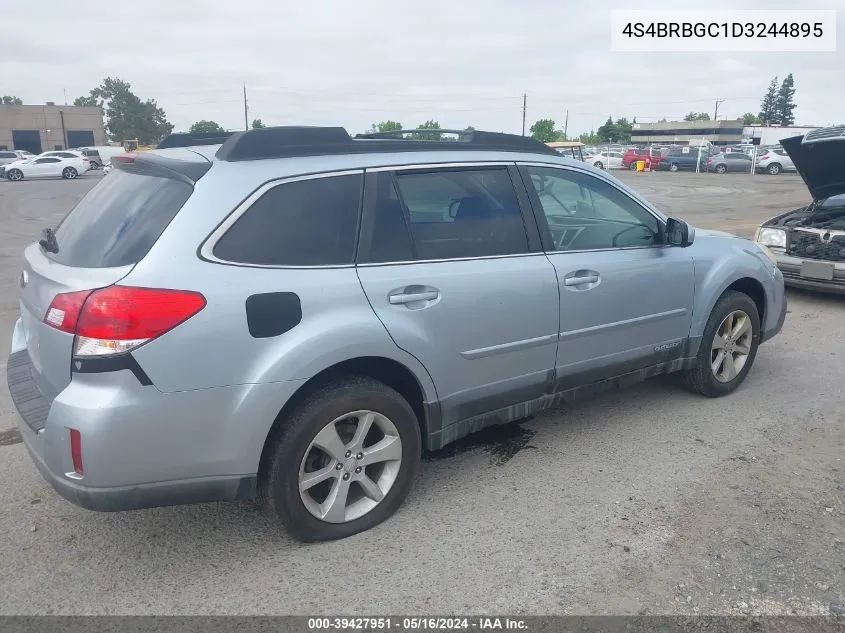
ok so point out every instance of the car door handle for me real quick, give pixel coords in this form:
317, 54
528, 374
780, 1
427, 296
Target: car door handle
577, 281
411, 297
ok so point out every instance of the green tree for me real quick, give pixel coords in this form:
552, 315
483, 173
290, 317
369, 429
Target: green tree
623, 129
590, 138
768, 111
88, 101
10, 100
784, 104
608, 131
127, 116
387, 126
428, 136
697, 116
749, 118
543, 131
204, 126
257, 124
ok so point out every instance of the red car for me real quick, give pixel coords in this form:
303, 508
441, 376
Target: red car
651, 156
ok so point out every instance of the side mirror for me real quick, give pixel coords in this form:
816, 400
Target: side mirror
679, 233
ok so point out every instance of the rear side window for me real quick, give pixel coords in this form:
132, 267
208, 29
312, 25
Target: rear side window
448, 214
8, 155
119, 220
311, 222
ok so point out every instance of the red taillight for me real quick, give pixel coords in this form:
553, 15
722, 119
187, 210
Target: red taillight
76, 450
117, 319
63, 312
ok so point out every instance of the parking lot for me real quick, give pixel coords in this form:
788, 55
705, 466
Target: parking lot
646, 500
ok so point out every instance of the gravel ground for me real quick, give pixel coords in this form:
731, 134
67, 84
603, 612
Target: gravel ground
648, 500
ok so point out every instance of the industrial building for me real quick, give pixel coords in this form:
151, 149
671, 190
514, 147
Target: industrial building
682, 132
42, 128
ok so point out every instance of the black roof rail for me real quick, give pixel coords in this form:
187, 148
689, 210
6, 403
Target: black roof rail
291, 141
193, 139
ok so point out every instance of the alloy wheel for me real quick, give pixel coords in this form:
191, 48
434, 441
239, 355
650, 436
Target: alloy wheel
350, 466
731, 346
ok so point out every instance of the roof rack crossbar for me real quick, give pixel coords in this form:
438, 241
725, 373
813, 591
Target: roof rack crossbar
290, 141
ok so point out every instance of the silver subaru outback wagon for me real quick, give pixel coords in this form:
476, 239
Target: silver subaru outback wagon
294, 314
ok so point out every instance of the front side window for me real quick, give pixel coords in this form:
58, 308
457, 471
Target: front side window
447, 214
582, 212
310, 222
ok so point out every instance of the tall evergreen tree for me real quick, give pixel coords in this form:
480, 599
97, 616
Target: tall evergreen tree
784, 105
768, 113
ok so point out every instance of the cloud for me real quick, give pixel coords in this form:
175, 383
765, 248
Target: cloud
461, 62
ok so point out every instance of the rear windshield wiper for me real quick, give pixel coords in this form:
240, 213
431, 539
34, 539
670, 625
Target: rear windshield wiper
48, 241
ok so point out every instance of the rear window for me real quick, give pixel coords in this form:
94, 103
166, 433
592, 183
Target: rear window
119, 220
310, 222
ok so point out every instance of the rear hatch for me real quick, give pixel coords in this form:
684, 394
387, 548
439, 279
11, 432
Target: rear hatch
96, 245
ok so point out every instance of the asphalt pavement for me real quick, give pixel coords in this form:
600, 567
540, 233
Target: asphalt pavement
646, 500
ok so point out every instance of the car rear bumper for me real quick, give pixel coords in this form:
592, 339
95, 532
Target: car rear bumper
142, 447
791, 269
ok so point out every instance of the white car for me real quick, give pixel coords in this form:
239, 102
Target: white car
774, 161
606, 160
67, 153
47, 167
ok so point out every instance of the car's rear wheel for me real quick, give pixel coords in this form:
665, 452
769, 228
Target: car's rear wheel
598, 164
633, 165
14, 174
95, 164
673, 167
774, 169
728, 346
721, 169
69, 173
343, 461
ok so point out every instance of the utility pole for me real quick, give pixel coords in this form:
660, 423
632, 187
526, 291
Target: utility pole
524, 101
246, 111
716, 111
566, 126
65, 91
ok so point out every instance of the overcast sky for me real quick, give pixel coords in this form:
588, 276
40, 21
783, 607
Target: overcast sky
460, 62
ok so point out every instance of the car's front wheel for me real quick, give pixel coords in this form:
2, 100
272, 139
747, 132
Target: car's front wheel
343, 461
728, 346
673, 167
14, 174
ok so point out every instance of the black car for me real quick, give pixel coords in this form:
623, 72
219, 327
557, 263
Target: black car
679, 160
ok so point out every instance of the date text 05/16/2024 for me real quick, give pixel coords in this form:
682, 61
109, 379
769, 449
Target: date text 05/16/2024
417, 624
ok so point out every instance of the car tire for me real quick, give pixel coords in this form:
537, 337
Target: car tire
633, 165
720, 169
598, 164
774, 169
14, 175
69, 173
95, 164
731, 372
673, 167
292, 453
